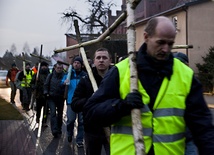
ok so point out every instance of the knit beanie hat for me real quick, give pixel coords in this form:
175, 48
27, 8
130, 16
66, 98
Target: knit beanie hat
78, 58
13, 64
43, 63
27, 64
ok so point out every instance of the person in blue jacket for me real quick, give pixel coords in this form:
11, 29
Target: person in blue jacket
76, 75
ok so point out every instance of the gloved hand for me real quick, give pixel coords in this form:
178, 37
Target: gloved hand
46, 95
134, 100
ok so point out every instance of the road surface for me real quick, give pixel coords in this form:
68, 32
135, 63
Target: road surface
60, 145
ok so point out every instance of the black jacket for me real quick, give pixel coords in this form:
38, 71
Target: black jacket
54, 85
38, 85
102, 107
83, 92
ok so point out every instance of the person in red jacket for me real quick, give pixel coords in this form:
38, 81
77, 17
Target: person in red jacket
11, 74
35, 68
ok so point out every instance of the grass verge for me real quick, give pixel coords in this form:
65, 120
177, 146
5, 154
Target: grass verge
8, 112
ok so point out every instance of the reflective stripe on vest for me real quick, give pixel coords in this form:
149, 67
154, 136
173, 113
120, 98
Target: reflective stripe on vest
165, 127
148, 132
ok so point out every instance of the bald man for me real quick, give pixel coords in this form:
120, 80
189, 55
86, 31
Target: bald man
169, 97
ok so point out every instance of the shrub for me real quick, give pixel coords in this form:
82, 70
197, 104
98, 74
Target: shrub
206, 71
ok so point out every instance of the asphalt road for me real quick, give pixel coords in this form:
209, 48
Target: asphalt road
60, 146
46, 142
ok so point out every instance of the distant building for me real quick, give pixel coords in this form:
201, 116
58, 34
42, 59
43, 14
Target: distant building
193, 18
117, 45
195, 26
145, 9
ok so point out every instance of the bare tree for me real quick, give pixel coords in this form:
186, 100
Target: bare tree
35, 51
97, 21
26, 48
13, 49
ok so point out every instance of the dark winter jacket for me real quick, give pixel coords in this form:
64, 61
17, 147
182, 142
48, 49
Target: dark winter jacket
102, 107
54, 86
83, 91
38, 85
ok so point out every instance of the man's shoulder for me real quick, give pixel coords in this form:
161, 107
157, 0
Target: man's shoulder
85, 77
83, 73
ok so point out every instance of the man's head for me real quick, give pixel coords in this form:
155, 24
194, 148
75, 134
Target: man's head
13, 65
58, 68
36, 65
44, 65
102, 59
27, 66
159, 36
77, 63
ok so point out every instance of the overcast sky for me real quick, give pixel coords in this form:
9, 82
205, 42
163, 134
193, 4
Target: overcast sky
37, 22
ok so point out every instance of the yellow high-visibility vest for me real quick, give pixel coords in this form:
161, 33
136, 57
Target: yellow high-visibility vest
165, 127
26, 81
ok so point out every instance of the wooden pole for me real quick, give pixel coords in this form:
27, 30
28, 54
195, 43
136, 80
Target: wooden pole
40, 122
104, 36
84, 57
135, 113
62, 62
90, 73
68, 81
182, 46
37, 56
34, 92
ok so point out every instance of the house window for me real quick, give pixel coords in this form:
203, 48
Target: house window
175, 21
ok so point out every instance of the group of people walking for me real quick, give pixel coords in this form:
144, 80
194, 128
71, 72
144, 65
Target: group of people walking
48, 89
169, 97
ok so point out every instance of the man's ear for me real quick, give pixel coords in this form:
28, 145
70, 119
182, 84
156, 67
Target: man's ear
146, 36
110, 59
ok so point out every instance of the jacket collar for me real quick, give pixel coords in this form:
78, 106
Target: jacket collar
147, 64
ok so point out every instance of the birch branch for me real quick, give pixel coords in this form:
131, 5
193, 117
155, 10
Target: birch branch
84, 57
62, 62
90, 73
36, 56
117, 22
135, 113
40, 122
182, 46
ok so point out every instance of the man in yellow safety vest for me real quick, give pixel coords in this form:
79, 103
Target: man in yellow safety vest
168, 94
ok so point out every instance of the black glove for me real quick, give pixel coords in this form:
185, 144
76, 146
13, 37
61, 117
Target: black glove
46, 95
134, 100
